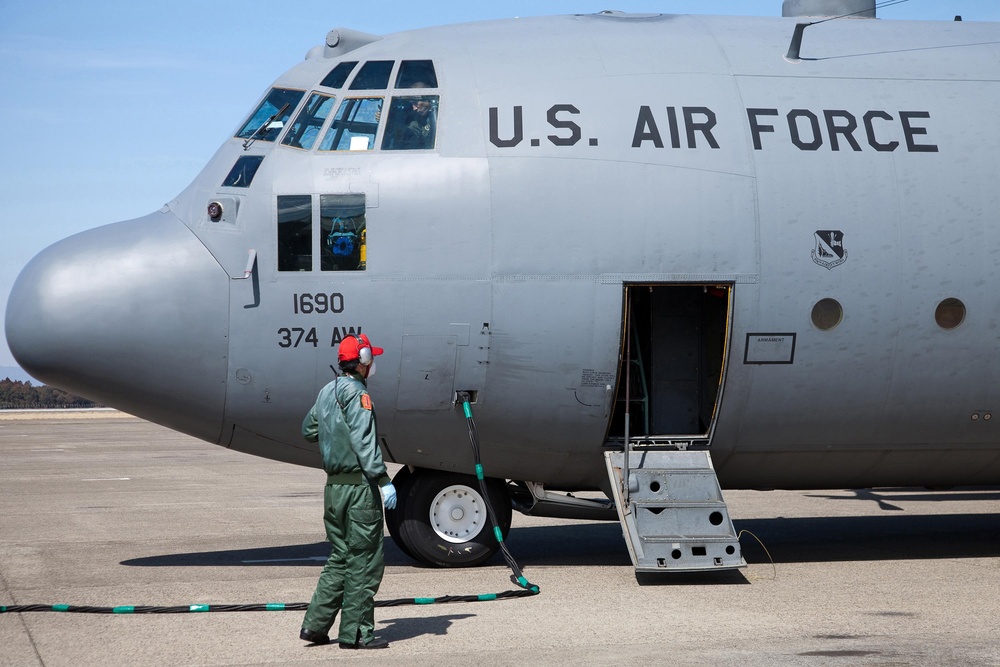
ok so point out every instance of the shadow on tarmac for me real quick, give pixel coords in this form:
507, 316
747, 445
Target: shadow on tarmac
788, 540
866, 538
400, 629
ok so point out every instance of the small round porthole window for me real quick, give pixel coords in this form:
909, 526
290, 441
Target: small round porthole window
827, 314
950, 313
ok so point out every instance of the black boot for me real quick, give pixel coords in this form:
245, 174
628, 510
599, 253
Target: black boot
372, 643
313, 637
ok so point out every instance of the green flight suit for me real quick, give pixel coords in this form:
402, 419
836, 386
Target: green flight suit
343, 422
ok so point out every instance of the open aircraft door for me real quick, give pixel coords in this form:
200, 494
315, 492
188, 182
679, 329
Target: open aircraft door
670, 381
672, 364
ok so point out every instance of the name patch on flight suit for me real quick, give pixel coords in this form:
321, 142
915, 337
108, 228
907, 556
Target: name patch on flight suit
366, 401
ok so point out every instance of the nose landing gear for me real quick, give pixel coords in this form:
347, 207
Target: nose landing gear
441, 519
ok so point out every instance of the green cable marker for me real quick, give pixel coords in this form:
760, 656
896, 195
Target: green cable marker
198, 607
479, 471
60, 607
275, 606
124, 609
468, 410
487, 596
499, 535
424, 600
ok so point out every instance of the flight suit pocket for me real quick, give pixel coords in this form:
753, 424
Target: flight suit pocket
366, 529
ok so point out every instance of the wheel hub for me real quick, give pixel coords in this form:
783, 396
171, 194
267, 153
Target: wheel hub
458, 514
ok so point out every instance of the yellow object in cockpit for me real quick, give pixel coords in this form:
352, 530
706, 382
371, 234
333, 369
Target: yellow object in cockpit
364, 248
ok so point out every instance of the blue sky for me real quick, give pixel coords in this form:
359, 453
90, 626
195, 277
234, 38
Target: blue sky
111, 107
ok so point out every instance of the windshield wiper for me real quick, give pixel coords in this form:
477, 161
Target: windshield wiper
266, 125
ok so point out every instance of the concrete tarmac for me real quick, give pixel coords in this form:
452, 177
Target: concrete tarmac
105, 509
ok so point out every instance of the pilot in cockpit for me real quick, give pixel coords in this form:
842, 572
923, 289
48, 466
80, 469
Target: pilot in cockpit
412, 122
420, 125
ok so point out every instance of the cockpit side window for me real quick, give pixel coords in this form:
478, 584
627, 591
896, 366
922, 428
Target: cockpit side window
416, 74
412, 123
373, 75
243, 172
344, 232
338, 75
355, 126
310, 120
275, 111
295, 233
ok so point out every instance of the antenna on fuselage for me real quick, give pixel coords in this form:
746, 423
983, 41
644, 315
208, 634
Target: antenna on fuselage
826, 8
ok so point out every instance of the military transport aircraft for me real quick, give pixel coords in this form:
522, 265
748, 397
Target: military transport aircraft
759, 248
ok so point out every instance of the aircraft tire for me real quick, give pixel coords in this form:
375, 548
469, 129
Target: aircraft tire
445, 522
394, 517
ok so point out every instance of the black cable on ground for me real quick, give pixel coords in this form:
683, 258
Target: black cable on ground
271, 606
528, 589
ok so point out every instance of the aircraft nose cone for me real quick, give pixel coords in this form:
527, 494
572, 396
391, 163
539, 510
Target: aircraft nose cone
132, 315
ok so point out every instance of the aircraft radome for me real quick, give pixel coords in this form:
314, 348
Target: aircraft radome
686, 231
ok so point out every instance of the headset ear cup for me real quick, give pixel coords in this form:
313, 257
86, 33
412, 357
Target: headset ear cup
364, 352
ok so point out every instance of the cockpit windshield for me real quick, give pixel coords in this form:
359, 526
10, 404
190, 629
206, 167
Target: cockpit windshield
399, 113
274, 111
355, 126
307, 124
412, 123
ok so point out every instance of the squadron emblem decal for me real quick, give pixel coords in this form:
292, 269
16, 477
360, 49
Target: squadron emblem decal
829, 251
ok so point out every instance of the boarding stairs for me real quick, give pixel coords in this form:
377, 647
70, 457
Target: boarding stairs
672, 511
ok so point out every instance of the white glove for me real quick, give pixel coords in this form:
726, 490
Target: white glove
388, 496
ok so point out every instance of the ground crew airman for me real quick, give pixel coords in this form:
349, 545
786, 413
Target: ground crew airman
343, 422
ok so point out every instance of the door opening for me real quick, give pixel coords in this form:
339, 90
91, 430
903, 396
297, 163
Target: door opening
672, 362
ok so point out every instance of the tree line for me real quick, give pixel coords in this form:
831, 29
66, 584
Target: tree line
23, 395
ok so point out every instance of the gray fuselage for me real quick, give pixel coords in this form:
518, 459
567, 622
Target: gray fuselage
578, 157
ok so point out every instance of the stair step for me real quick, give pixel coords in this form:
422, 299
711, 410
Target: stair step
673, 515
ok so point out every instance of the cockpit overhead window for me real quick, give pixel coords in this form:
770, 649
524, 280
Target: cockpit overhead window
338, 75
355, 125
344, 232
310, 120
275, 111
416, 74
373, 75
412, 123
